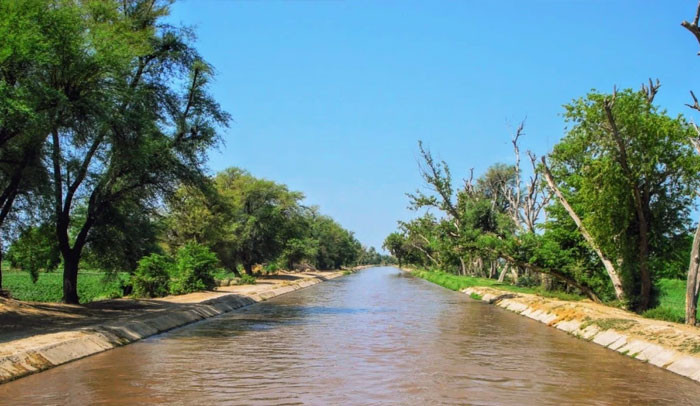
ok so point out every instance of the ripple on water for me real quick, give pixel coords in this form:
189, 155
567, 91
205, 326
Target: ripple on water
374, 338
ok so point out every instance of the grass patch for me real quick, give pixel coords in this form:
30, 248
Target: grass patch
610, 324
691, 345
475, 296
458, 282
671, 299
92, 286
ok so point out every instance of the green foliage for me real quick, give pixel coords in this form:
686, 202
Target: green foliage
599, 180
370, 256
34, 250
336, 245
457, 282
152, 277
92, 286
297, 250
397, 246
193, 269
626, 167
670, 301
124, 102
246, 279
248, 221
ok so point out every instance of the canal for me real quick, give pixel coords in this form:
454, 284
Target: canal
376, 337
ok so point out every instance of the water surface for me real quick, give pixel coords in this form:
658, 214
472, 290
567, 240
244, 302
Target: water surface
373, 338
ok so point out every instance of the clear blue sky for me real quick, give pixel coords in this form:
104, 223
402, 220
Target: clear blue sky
330, 97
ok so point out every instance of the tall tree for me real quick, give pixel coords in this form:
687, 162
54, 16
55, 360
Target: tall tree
693, 277
262, 213
32, 34
625, 171
131, 133
395, 244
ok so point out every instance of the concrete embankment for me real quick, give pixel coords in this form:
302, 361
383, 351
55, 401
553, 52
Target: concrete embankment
671, 346
28, 355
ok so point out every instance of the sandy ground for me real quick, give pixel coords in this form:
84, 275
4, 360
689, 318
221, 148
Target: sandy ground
25, 319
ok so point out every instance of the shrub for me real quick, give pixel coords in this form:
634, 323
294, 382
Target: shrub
665, 313
152, 278
193, 270
246, 279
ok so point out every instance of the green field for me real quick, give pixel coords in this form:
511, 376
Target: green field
92, 285
671, 301
670, 304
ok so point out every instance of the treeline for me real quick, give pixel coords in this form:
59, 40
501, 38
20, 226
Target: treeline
248, 221
105, 122
606, 214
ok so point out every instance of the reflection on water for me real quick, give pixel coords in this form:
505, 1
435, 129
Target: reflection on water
377, 337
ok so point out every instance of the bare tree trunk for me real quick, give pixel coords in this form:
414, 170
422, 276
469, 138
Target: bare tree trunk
462, 266
514, 273
502, 276
70, 278
691, 289
645, 274
609, 267
480, 266
585, 289
546, 282
693, 282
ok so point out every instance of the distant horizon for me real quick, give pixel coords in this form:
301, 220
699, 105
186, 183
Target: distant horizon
331, 98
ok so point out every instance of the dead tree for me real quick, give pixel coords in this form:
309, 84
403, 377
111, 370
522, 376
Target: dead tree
613, 274
525, 208
693, 27
693, 281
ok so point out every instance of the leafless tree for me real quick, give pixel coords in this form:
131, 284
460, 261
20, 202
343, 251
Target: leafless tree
693, 281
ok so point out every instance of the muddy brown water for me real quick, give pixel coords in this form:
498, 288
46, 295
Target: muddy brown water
373, 338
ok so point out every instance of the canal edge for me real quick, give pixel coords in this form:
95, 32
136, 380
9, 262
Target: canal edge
656, 354
61, 348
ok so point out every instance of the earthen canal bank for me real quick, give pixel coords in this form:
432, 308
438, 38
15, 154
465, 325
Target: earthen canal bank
671, 346
24, 355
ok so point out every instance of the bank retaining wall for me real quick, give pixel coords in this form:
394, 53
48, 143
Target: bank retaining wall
665, 345
38, 353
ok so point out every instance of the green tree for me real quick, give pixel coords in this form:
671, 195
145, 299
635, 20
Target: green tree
627, 170
336, 245
261, 214
396, 245
297, 250
193, 269
121, 127
31, 33
34, 250
124, 131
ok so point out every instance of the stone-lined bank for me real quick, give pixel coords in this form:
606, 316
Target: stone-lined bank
37, 353
671, 346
